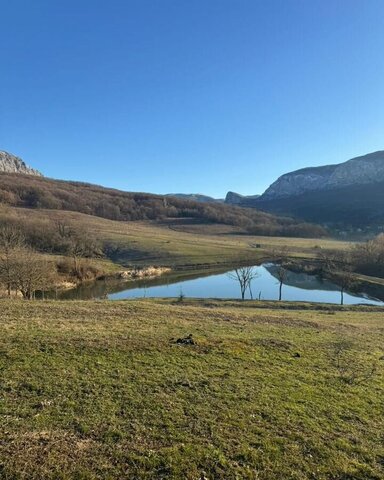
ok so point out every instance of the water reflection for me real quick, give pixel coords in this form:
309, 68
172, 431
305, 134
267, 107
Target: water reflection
297, 287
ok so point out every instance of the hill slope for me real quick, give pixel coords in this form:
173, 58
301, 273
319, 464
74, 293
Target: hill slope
173, 242
36, 192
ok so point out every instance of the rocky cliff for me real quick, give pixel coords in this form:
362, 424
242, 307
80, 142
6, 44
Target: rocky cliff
368, 169
11, 164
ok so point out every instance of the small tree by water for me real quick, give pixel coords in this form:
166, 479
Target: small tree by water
282, 273
244, 277
339, 266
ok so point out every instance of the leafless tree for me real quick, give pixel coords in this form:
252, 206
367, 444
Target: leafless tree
11, 241
63, 228
338, 265
31, 272
280, 257
244, 276
282, 273
79, 244
82, 246
346, 281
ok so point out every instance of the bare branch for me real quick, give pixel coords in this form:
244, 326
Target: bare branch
244, 277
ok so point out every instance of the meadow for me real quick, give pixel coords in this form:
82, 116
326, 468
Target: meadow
104, 390
172, 242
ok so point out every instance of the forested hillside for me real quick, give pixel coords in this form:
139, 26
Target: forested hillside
35, 192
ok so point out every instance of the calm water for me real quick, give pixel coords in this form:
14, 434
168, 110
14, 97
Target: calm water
297, 287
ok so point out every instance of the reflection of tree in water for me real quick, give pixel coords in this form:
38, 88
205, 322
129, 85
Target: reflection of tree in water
301, 280
104, 288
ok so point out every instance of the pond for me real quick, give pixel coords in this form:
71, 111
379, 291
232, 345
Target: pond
297, 287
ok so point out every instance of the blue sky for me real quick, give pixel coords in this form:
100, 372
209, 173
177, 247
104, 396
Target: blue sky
190, 95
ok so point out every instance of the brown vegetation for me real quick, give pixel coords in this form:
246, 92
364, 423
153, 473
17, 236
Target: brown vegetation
368, 257
21, 269
36, 192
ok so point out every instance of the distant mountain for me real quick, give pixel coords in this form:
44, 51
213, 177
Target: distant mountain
11, 164
195, 197
368, 169
234, 198
346, 194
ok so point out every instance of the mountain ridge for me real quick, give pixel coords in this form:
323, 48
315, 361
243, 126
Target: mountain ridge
360, 170
348, 195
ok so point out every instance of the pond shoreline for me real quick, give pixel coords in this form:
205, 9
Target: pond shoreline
215, 283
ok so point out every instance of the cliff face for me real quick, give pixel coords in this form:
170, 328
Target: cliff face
11, 164
358, 171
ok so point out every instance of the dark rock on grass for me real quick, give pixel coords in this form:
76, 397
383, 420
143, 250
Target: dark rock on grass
296, 355
186, 340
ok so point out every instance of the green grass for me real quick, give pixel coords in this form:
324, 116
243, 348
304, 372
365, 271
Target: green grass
100, 390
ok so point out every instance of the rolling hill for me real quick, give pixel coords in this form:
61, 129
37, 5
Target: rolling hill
27, 191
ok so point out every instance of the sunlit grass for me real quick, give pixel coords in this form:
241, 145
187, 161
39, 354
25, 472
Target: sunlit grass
100, 390
144, 243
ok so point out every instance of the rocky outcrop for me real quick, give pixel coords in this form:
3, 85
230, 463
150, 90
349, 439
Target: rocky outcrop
233, 198
11, 164
358, 171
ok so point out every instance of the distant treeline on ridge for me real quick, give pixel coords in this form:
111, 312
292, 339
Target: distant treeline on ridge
41, 193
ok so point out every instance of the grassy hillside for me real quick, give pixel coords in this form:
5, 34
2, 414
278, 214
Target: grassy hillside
101, 390
41, 193
168, 242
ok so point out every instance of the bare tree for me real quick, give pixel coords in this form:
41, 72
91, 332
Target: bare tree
78, 243
244, 276
282, 273
31, 272
11, 241
82, 246
346, 281
338, 266
64, 229
280, 257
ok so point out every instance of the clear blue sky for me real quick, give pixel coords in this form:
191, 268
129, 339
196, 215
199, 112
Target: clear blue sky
190, 95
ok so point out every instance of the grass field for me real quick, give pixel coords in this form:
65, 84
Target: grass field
100, 390
178, 243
